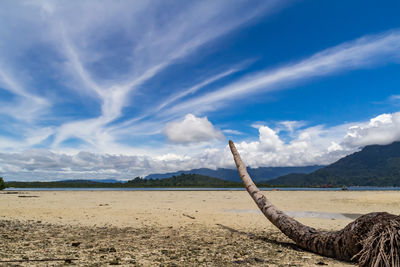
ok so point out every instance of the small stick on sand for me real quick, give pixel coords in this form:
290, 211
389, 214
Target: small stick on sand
36, 260
191, 217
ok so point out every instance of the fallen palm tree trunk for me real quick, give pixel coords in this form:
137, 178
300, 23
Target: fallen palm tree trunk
371, 240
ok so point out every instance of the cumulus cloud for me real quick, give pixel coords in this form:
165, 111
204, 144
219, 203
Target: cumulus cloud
192, 129
44, 165
383, 129
319, 144
310, 145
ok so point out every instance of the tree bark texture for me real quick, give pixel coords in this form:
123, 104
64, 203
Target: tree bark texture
348, 244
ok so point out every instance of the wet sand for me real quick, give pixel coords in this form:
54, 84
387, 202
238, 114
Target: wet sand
191, 228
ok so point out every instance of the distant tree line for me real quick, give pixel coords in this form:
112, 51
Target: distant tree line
183, 180
2, 184
180, 181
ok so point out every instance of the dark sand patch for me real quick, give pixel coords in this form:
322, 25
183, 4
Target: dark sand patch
190, 245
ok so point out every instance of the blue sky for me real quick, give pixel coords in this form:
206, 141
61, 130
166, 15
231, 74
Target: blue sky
118, 89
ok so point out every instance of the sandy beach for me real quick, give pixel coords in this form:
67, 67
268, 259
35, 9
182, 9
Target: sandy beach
170, 228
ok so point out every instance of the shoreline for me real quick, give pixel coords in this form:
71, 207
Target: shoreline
353, 188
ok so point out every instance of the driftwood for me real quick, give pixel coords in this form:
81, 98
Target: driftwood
371, 240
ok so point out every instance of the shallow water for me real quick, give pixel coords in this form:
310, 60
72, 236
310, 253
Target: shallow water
306, 214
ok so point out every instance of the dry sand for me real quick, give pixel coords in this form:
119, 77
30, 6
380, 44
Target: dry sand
169, 228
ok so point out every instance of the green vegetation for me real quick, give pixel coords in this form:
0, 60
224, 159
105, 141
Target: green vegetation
61, 184
375, 165
2, 184
183, 180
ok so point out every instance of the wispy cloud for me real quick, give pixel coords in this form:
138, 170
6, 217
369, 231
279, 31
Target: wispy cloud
154, 111
365, 52
27, 105
232, 132
194, 88
361, 53
394, 97
168, 43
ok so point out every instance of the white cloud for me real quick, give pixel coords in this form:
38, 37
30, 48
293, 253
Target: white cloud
41, 165
195, 88
230, 131
381, 130
361, 53
394, 98
269, 140
27, 106
320, 144
192, 130
310, 145
290, 126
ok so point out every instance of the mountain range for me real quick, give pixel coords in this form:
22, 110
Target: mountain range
258, 174
374, 165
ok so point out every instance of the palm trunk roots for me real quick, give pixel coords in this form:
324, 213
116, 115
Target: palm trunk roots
371, 240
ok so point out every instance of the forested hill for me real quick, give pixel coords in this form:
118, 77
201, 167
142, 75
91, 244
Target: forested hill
375, 165
258, 174
184, 180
